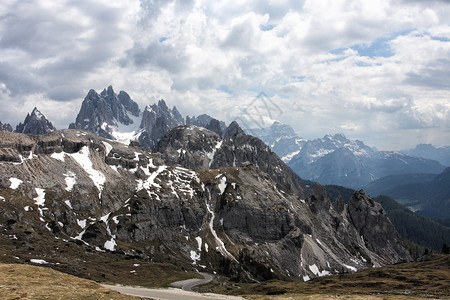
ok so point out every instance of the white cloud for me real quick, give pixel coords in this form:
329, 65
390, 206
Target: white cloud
374, 70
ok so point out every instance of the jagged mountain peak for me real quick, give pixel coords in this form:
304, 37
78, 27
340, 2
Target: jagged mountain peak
5, 127
110, 115
35, 123
233, 129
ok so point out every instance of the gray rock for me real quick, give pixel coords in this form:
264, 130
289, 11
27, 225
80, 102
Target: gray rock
5, 127
36, 123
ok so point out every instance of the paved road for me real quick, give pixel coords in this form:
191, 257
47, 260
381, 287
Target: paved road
187, 285
182, 291
167, 294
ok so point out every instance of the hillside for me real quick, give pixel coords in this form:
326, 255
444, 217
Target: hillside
417, 280
32, 282
425, 194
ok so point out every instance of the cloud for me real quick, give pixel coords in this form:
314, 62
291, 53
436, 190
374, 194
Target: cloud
56, 43
363, 67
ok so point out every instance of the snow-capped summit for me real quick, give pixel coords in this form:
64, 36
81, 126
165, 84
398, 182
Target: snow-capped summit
334, 159
281, 139
35, 123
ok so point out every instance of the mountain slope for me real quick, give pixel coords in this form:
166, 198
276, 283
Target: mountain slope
35, 123
251, 221
428, 195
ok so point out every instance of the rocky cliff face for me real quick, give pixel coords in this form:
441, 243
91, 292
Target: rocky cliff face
221, 205
109, 115
35, 123
207, 122
118, 117
157, 119
5, 127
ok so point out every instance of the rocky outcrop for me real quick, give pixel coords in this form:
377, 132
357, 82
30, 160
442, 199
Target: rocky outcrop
197, 148
157, 119
371, 221
35, 123
189, 146
208, 122
5, 127
103, 113
232, 130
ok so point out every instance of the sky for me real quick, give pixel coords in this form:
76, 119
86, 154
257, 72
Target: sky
377, 71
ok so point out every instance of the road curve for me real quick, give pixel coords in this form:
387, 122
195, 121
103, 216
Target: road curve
188, 284
167, 294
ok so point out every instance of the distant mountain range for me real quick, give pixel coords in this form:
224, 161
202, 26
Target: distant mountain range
440, 154
334, 159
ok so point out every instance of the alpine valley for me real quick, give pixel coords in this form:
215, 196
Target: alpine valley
149, 186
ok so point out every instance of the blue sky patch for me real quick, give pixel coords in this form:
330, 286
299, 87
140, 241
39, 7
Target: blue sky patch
225, 89
267, 27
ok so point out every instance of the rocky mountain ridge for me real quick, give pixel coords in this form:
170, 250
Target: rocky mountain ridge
118, 117
225, 205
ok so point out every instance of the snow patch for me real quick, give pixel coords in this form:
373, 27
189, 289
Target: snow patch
306, 278
199, 242
288, 157
38, 261
58, 156
222, 184
211, 154
70, 181
221, 246
82, 158
110, 245
81, 223
108, 147
40, 199
350, 268
67, 202
194, 257
316, 271
15, 182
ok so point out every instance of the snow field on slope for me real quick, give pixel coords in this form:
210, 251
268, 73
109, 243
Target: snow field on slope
82, 158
